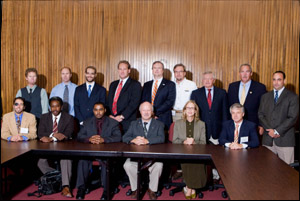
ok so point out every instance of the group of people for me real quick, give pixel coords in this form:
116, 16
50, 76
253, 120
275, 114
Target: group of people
208, 115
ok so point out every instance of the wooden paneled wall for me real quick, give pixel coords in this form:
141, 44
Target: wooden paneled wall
204, 35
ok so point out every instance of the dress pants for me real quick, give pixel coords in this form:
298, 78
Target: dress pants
284, 153
65, 166
155, 171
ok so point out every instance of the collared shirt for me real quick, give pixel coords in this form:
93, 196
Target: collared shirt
247, 87
240, 125
211, 92
158, 84
92, 85
148, 124
183, 93
59, 89
279, 92
57, 120
20, 117
44, 98
123, 84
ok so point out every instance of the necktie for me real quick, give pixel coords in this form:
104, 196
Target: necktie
243, 96
154, 92
18, 124
99, 127
90, 90
66, 99
145, 129
55, 127
30, 92
236, 134
114, 106
276, 97
209, 99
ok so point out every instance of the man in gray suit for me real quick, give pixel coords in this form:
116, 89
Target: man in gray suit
144, 131
96, 130
278, 113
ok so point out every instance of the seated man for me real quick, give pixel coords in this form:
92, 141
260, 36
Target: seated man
238, 133
96, 130
18, 125
57, 125
144, 131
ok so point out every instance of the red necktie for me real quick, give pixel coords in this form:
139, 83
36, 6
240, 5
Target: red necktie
114, 106
55, 127
209, 99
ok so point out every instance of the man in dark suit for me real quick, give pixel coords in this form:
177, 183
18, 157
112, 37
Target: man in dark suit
278, 114
238, 133
213, 107
57, 125
96, 130
87, 94
144, 131
247, 92
124, 97
161, 93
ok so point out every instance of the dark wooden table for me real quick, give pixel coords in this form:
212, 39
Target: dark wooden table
246, 174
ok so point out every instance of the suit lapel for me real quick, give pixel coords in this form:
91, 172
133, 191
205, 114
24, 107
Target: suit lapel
14, 123
283, 94
125, 87
160, 88
204, 98
141, 128
93, 125
61, 122
231, 130
251, 89
242, 130
216, 94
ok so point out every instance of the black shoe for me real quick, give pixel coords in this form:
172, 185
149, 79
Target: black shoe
104, 196
80, 194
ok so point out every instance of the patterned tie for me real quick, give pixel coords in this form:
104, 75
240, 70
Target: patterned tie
114, 106
90, 90
55, 127
154, 92
18, 124
145, 128
276, 97
243, 96
66, 99
209, 99
236, 134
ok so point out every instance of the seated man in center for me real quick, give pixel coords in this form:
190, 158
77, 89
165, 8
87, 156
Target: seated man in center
144, 131
96, 130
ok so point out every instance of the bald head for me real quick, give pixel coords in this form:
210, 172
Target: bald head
146, 110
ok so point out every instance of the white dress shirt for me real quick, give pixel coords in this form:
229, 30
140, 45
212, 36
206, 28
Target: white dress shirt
158, 84
183, 93
92, 85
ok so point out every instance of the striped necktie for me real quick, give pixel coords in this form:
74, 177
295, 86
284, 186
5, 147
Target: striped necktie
236, 134
145, 129
276, 97
90, 90
114, 106
55, 127
154, 92
18, 124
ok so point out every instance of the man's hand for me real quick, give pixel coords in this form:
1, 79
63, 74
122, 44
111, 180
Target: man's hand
261, 130
16, 138
271, 133
235, 146
119, 118
189, 141
59, 136
96, 139
46, 139
140, 141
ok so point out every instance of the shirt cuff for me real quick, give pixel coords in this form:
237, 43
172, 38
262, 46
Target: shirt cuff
227, 144
25, 138
9, 138
54, 139
245, 146
275, 132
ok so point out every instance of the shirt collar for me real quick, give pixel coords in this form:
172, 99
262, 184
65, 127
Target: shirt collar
238, 123
212, 89
182, 82
33, 88
58, 117
159, 80
247, 83
279, 91
124, 80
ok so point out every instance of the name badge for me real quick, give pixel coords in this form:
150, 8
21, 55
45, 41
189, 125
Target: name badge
24, 130
244, 139
187, 90
173, 113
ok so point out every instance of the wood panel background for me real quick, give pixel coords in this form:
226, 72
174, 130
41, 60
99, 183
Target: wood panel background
204, 35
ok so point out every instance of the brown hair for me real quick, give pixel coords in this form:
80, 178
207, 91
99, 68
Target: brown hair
196, 116
124, 62
179, 65
29, 70
92, 67
66, 68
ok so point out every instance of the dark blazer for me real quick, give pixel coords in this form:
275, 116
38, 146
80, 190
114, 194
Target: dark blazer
217, 115
83, 104
156, 134
164, 100
128, 102
281, 116
110, 130
248, 129
65, 125
252, 101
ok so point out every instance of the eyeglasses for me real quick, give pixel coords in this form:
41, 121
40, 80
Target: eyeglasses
179, 71
16, 104
190, 108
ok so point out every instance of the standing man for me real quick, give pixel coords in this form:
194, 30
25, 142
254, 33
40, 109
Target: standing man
161, 93
36, 98
87, 94
278, 113
213, 107
247, 92
57, 125
124, 97
184, 90
65, 90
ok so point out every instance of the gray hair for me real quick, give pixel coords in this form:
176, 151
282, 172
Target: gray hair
209, 72
146, 102
237, 106
246, 64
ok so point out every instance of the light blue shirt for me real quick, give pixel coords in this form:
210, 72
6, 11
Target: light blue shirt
59, 89
247, 89
211, 92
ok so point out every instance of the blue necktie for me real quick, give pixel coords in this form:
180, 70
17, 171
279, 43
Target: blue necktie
90, 90
276, 97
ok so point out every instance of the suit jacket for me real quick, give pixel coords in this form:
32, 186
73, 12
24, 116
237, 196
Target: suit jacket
83, 104
252, 101
164, 100
128, 101
217, 115
110, 130
156, 134
9, 127
281, 116
180, 132
65, 125
248, 129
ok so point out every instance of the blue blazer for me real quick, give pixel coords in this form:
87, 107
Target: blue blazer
164, 100
83, 104
217, 115
248, 129
252, 101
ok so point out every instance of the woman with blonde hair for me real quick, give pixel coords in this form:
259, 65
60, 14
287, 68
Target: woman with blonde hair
188, 131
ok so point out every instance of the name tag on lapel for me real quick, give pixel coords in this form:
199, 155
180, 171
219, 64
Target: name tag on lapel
24, 130
244, 139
